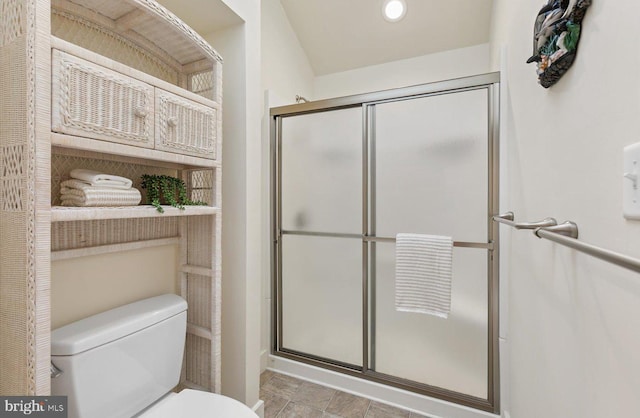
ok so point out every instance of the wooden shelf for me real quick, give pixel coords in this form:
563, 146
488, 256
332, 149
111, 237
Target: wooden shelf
128, 151
112, 248
146, 22
67, 214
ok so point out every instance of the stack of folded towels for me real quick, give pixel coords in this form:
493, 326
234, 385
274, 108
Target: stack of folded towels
91, 188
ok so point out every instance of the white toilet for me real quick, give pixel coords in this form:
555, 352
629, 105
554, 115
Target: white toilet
126, 361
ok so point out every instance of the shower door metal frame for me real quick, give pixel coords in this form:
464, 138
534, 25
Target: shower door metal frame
367, 103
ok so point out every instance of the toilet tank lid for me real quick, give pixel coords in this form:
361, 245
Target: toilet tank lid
113, 324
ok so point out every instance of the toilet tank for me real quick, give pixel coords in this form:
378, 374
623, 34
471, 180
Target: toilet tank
118, 362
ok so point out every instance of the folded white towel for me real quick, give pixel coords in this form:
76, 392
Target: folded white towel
95, 178
75, 184
100, 196
423, 274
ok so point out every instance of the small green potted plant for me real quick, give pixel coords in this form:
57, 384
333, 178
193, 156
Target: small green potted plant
167, 190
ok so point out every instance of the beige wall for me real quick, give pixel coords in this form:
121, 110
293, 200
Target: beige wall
573, 328
418, 70
84, 286
286, 71
241, 177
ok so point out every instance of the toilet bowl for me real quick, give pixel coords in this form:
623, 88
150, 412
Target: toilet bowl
196, 404
125, 362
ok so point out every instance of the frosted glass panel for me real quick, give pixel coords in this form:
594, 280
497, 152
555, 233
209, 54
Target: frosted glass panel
322, 297
429, 173
431, 166
322, 172
448, 353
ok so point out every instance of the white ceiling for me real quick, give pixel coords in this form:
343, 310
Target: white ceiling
339, 35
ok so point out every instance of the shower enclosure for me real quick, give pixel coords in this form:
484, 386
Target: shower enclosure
348, 174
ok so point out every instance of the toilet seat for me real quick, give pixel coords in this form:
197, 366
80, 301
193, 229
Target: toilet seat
198, 404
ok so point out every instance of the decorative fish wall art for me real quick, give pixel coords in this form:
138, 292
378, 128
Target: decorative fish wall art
555, 38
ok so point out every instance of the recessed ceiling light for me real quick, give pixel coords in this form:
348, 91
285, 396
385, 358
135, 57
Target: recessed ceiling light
394, 10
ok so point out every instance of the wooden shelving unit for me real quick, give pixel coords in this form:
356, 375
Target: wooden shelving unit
123, 87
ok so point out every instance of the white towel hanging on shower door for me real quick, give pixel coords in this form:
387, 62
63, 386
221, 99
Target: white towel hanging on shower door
423, 274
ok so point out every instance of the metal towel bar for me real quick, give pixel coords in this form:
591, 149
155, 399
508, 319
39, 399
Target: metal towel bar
566, 234
461, 244
368, 238
507, 219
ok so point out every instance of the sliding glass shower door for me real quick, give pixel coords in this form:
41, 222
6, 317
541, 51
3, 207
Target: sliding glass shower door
349, 174
431, 177
321, 213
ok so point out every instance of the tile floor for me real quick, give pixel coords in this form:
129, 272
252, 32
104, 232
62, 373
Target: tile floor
287, 397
